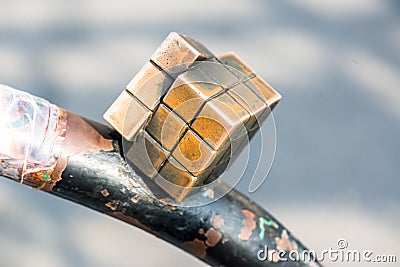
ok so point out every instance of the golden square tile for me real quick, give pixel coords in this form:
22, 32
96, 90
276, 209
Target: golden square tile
231, 152
220, 120
187, 97
178, 49
257, 108
146, 154
175, 180
217, 72
149, 85
197, 74
127, 115
217, 171
116, 112
232, 60
166, 127
204, 52
195, 155
265, 91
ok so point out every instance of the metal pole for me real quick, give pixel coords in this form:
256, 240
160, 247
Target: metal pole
89, 169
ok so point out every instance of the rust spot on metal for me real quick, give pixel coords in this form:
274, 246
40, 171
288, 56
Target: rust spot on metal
217, 221
213, 237
56, 175
172, 207
283, 242
130, 184
273, 255
135, 199
132, 221
111, 205
73, 144
196, 248
105, 193
249, 225
210, 192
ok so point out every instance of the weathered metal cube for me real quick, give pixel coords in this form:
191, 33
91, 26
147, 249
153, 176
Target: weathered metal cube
187, 112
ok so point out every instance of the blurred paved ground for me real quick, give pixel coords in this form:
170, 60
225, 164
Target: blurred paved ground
337, 64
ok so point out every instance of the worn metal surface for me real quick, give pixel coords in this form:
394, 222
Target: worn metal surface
92, 171
228, 232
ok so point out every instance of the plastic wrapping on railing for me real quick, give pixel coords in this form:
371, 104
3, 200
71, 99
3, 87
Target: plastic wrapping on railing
31, 133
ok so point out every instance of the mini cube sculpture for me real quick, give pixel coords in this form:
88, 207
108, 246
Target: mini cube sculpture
187, 112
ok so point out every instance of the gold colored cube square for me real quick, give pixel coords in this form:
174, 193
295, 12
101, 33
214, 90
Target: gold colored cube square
220, 120
166, 127
217, 73
195, 155
218, 170
175, 180
232, 60
146, 154
127, 115
178, 49
187, 97
149, 85
265, 91
256, 83
251, 102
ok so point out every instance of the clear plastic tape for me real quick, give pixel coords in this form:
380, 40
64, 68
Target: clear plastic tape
31, 132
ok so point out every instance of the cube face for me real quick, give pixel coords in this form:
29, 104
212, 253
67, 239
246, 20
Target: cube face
217, 73
221, 120
253, 81
179, 50
118, 110
217, 170
146, 154
186, 111
232, 60
195, 155
184, 101
187, 95
128, 115
264, 90
175, 180
253, 104
149, 85
166, 127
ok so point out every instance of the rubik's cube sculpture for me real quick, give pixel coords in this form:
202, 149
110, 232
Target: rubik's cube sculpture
187, 112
